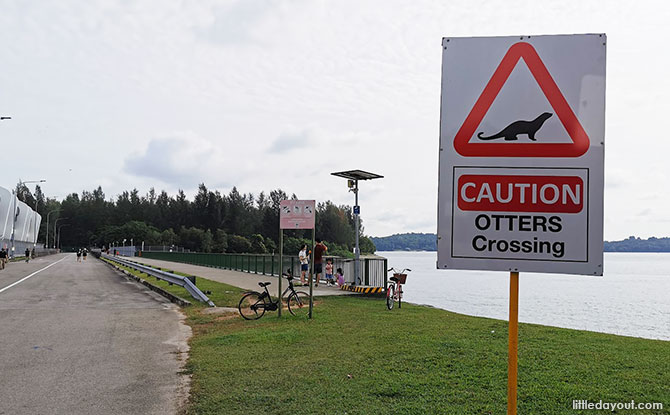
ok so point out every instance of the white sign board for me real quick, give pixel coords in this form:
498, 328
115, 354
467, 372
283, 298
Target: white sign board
297, 214
522, 132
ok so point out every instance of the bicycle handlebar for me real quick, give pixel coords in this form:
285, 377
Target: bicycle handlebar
396, 271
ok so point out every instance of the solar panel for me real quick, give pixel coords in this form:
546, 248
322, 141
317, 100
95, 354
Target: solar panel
357, 175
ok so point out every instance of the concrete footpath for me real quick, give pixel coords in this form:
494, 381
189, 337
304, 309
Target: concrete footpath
244, 280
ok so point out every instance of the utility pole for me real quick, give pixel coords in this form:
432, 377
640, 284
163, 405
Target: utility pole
56, 223
353, 176
46, 240
59, 228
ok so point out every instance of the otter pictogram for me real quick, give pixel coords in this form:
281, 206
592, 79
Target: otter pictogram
519, 127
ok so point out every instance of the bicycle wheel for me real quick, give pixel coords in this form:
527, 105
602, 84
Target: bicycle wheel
251, 306
390, 293
298, 303
400, 296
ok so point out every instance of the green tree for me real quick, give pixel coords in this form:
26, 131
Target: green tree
366, 245
293, 245
270, 245
335, 224
195, 239
257, 244
220, 241
238, 244
180, 210
168, 237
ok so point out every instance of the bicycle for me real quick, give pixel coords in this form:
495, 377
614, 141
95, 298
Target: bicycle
394, 289
253, 304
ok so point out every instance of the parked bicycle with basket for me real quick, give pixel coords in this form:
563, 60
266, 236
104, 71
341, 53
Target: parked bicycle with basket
254, 304
394, 289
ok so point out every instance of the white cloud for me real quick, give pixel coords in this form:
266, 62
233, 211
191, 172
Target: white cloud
89, 83
183, 160
293, 140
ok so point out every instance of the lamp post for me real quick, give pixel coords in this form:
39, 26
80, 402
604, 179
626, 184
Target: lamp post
65, 224
353, 176
46, 240
56, 223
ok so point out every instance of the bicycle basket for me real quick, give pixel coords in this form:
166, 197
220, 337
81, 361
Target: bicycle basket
401, 278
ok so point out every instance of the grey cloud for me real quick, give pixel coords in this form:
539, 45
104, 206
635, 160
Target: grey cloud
156, 161
179, 161
291, 141
644, 212
235, 24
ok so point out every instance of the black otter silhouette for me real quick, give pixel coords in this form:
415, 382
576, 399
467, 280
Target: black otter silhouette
519, 127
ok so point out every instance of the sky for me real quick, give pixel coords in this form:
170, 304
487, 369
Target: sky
263, 94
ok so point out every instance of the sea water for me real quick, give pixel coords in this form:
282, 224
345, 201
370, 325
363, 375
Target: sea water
631, 299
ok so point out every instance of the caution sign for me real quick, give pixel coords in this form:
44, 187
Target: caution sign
521, 154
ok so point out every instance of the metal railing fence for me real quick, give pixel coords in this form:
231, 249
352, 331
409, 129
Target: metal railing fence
164, 248
163, 275
373, 270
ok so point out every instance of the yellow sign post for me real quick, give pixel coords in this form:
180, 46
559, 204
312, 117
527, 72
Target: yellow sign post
513, 342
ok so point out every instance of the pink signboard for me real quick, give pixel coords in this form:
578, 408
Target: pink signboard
296, 214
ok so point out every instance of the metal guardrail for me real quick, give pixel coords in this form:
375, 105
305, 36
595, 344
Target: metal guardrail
165, 276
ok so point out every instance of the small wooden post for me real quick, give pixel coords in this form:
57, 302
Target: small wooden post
311, 275
513, 342
281, 258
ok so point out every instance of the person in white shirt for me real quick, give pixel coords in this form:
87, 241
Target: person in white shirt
304, 264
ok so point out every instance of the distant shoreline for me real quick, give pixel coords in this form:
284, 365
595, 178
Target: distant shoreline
427, 242
609, 252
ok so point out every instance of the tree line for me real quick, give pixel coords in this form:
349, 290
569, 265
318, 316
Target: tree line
635, 244
211, 222
407, 242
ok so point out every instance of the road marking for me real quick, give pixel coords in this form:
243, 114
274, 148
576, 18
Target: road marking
25, 278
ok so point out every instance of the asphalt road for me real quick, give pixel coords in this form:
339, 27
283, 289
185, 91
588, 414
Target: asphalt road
78, 338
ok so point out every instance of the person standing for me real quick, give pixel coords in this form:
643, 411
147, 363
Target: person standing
304, 263
319, 250
340, 277
329, 273
3, 258
27, 254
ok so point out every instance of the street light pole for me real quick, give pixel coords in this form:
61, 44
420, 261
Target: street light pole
56, 223
65, 224
46, 240
353, 176
357, 255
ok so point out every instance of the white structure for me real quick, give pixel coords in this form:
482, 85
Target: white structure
24, 223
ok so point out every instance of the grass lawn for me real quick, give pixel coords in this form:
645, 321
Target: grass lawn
356, 357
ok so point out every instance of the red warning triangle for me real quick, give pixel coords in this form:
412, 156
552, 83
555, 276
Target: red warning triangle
580, 141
